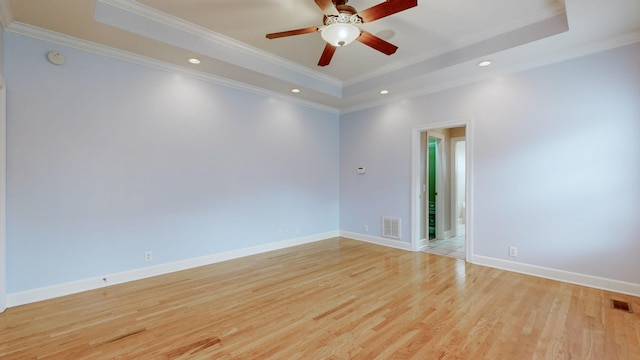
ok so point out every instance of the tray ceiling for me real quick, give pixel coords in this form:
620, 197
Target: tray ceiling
440, 41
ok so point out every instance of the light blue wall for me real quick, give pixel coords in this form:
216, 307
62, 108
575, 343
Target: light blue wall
556, 163
378, 139
108, 159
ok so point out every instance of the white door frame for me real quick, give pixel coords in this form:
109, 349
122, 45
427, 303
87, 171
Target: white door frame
3, 197
454, 183
416, 186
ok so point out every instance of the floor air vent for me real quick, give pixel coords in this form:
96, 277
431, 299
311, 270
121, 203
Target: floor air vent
621, 305
391, 227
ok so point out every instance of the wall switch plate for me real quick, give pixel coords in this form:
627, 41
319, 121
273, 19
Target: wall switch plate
513, 251
148, 256
366, 228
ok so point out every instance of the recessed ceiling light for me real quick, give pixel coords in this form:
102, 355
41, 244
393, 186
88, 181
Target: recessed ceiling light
484, 63
295, 91
194, 61
384, 92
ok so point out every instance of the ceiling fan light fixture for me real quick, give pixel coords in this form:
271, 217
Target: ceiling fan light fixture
344, 27
340, 34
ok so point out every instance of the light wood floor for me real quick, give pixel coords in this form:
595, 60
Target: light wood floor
335, 299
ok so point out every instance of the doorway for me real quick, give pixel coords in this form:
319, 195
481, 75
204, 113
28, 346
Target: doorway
434, 176
440, 176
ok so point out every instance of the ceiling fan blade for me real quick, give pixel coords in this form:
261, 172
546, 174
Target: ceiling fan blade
327, 7
386, 8
375, 42
327, 54
292, 32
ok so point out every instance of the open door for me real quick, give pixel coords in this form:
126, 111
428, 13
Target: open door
432, 154
434, 182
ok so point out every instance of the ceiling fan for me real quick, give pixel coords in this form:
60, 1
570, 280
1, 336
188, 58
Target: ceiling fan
341, 25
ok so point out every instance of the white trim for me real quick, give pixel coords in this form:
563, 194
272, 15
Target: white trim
422, 244
50, 292
32, 31
217, 38
623, 40
456, 44
454, 180
416, 191
402, 245
416, 212
560, 275
157, 25
103, 50
3, 194
468, 214
6, 14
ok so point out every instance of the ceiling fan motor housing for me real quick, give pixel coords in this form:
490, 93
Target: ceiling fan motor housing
346, 9
342, 19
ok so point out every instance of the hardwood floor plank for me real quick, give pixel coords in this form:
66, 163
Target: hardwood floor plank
334, 299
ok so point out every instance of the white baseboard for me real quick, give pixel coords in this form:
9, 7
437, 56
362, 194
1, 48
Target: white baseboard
560, 275
377, 240
50, 292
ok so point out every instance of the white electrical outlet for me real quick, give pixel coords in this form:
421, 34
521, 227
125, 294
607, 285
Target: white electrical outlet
148, 256
366, 228
513, 251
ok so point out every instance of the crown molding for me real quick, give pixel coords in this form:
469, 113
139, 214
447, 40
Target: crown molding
138, 9
99, 49
6, 14
35, 32
612, 43
557, 9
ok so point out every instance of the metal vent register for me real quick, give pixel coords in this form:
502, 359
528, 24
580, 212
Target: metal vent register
621, 305
391, 227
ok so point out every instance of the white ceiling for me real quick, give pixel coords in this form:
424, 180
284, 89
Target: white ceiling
440, 41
